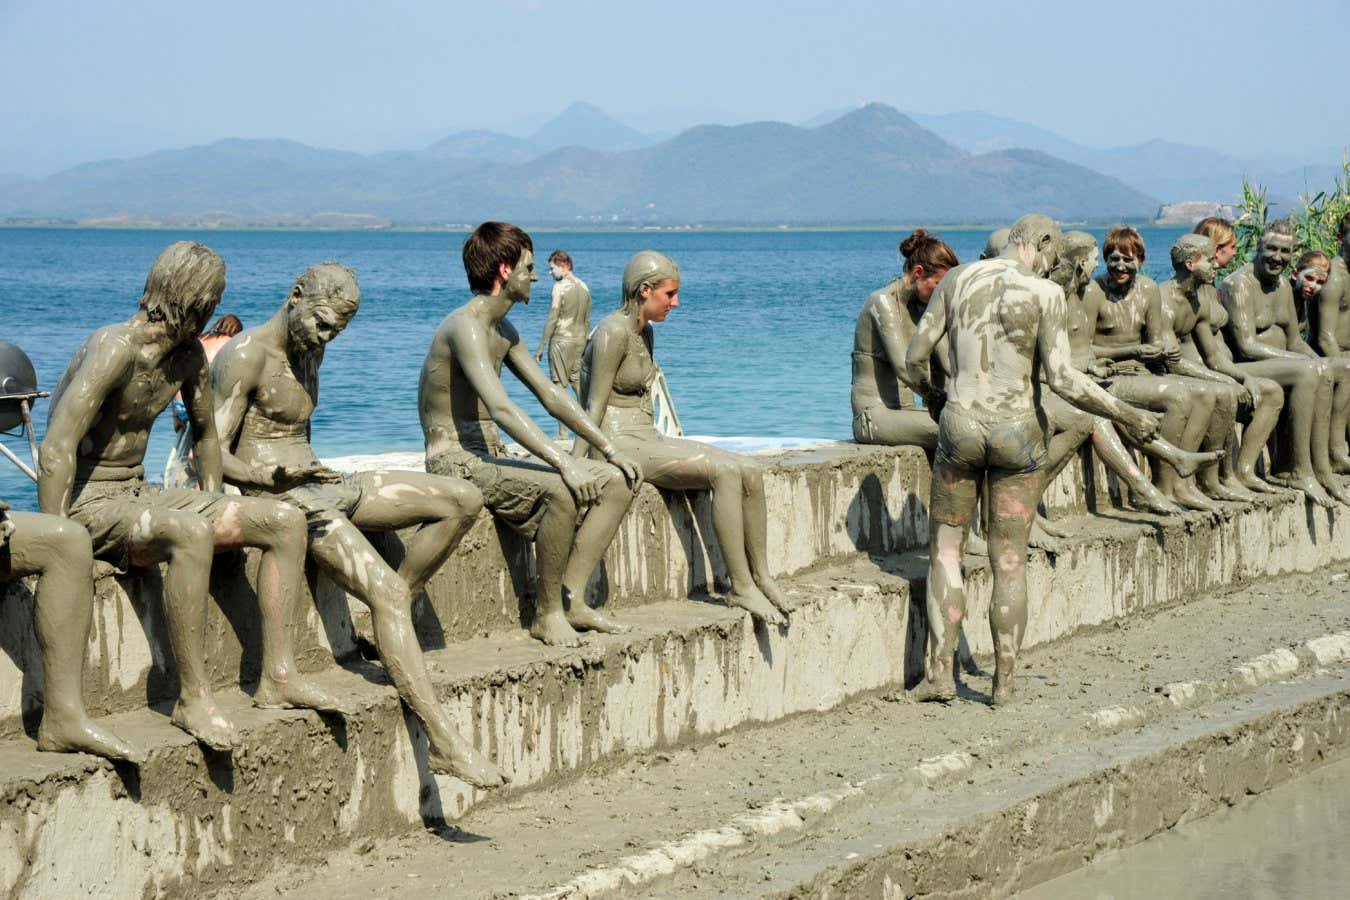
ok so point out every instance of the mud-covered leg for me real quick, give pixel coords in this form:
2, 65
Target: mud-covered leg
444, 508
1012, 505
58, 551
278, 529
349, 559
1111, 451
1301, 381
950, 509
1217, 439
552, 545
1340, 415
755, 515
1267, 403
183, 540
593, 537
1321, 436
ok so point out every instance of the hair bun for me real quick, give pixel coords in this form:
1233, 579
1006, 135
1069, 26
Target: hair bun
912, 243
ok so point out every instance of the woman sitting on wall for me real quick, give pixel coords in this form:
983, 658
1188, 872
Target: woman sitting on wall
617, 376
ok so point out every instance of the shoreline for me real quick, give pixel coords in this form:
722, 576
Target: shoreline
550, 229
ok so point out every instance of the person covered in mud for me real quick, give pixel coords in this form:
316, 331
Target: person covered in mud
1307, 279
617, 375
266, 387
91, 470
993, 247
1190, 304
1329, 316
1262, 333
1071, 426
884, 408
61, 555
1128, 338
1224, 236
567, 327
1004, 322
570, 508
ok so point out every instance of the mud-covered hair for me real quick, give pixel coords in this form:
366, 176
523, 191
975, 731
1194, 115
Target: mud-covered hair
1313, 258
1075, 247
1188, 247
1124, 239
929, 251
184, 286
560, 258
1217, 229
487, 248
1034, 230
998, 239
1279, 228
647, 268
334, 284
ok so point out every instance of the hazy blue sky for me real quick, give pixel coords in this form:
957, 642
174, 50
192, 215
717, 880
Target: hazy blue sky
86, 80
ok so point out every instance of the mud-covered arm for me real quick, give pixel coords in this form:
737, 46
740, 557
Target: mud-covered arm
1293, 334
916, 371
202, 420
1214, 351
607, 349
1235, 294
106, 365
559, 291
235, 374
1329, 314
1052, 340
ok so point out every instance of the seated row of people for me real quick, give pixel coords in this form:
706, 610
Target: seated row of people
1203, 356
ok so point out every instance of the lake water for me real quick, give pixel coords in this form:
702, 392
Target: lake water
1288, 842
759, 346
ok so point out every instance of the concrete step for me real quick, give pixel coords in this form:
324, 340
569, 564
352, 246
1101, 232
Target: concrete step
1122, 731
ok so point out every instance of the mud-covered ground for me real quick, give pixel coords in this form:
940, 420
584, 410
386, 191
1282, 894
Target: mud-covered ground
539, 839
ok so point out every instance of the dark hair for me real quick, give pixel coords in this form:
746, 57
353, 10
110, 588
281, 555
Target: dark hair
923, 249
560, 257
227, 325
1124, 240
488, 247
1218, 230
1343, 226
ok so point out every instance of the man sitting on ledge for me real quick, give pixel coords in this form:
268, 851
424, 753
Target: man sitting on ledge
571, 508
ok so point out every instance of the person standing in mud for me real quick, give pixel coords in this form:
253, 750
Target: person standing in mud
570, 508
1262, 332
1128, 336
116, 385
60, 554
1004, 323
1190, 303
266, 387
568, 326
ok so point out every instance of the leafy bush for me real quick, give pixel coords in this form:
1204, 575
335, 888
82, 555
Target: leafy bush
1314, 224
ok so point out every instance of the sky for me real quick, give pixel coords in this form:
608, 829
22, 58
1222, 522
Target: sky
94, 79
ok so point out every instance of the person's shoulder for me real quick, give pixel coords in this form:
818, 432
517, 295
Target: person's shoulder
882, 294
611, 327
1238, 276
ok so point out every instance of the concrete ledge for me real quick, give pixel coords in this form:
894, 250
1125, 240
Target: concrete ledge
688, 670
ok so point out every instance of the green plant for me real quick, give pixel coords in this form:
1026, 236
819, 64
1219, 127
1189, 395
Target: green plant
1314, 224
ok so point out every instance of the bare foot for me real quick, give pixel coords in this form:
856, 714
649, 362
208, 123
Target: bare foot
1189, 496
293, 693
757, 605
775, 594
942, 690
976, 544
1312, 490
202, 720
582, 618
467, 764
1341, 465
1003, 691
82, 735
1187, 463
1252, 482
1040, 538
553, 629
1336, 489
1220, 491
1150, 499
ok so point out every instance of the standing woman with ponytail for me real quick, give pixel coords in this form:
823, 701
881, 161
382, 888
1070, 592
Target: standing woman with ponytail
617, 375
885, 410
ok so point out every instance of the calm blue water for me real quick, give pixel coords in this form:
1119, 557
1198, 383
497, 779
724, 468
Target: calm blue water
760, 344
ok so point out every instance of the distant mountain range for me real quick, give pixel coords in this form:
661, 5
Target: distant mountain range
866, 166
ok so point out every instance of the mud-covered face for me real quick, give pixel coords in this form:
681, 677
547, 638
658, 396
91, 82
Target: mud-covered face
659, 299
517, 286
1122, 267
1225, 252
1274, 255
1309, 281
313, 321
1204, 267
557, 271
926, 282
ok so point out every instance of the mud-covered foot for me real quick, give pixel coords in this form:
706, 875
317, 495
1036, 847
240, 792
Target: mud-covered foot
82, 735
466, 764
1336, 489
293, 693
553, 629
941, 690
1254, 483
1187, 463
976, 544
202, 720
583, 618
1313, 491
1190, 497
1039, 538
1003, 692
775, 594
757, 605
1220, 491
1340, 465
1052, 528
1150, 499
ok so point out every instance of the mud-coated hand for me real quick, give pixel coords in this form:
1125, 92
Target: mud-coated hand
632, 472
1151, 352
1143, 426
585, 487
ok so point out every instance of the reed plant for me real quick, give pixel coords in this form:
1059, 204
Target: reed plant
1314, 223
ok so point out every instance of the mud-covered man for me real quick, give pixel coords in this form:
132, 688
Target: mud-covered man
1004, 322
568, 326
266, 388
571, 508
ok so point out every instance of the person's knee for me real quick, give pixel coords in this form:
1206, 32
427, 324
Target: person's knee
188, 533
559, 497
465, 499
726, 473
752, 477
616, 490
283, 525
71, 544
